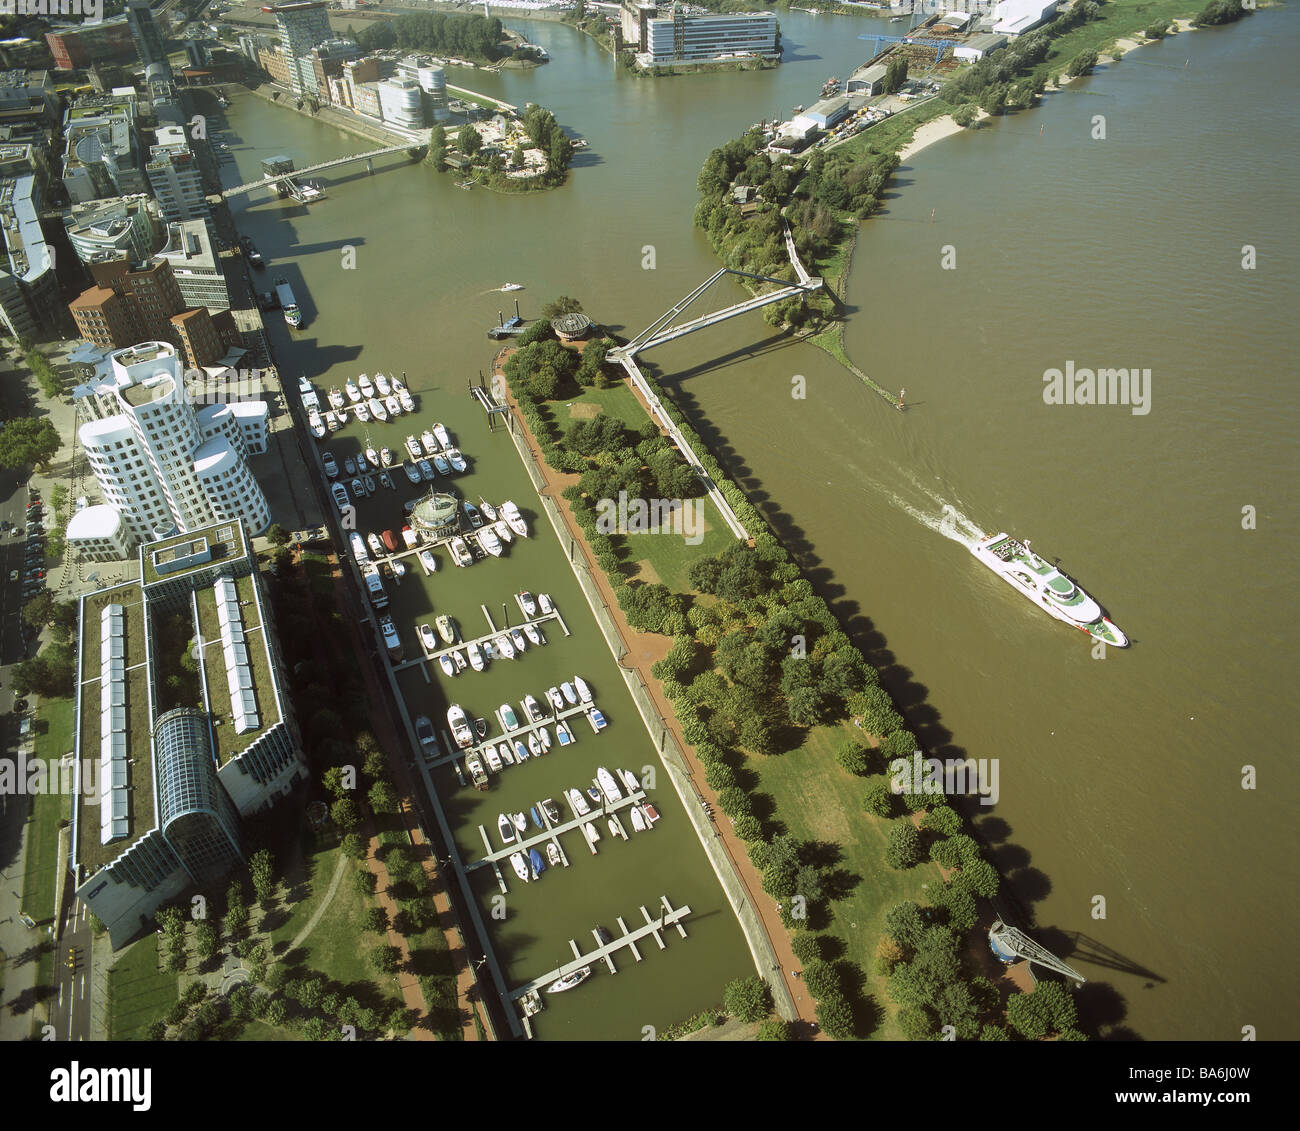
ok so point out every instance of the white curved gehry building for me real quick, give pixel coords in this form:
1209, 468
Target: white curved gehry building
163, 464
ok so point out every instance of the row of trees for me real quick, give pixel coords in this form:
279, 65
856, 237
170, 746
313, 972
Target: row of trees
476, 36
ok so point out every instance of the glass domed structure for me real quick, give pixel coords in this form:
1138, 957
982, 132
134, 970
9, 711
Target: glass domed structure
437, 516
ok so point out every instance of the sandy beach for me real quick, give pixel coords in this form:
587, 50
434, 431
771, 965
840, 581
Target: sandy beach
928, 134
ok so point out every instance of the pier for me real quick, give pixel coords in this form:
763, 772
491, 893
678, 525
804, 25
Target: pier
486, 638
669, 916
369, 155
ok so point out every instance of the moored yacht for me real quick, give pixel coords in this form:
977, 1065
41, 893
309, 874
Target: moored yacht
377, 409
430, 444
1047, 587
381, 383
367, 388
353, 392
413, 447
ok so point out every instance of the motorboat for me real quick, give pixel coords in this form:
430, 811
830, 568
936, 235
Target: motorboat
527, 605
457, 460
399, 570
545, 736
386, 480
593, 791
429, 562
354, 393
358, 545
376, 546
563, 733
553, 854
367, 388
508, 718
405, 399
446, 628
536, 818
511, 514
387, 457
597, 720
651, 813
392, 641
487, 508
471, 513
490, 542
398, 384
521, 822
532, 710
507, 830
551, 811
537, 863
332, 421
371, 486
409, 537
507, 755
377, 409
534, 634
580, 685
535, 746
460, 552
336, 398
557, 700
476, 772
616, 830
382, 385
521, 751
412, 472
358, 489
630, 780
362, 412
512, 286
340, 494
590, 831
372, 456
504, 647
440, 462
608, 786
570, 696
493, 759
459, 726
394, 406
577, 802
545, 603
424, 732
517, 639
503, 531
448, 668
426, 471
427, 638
330, 465
413, 447
316, 424
480, 728
441, 433
458, 658
476, 660
520, 865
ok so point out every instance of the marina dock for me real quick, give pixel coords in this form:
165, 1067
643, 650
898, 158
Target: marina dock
486, 638
655, 928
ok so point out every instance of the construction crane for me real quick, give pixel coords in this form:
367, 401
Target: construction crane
938, 44
1009, 944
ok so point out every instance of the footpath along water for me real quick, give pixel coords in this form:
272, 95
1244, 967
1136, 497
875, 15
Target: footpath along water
1119, 777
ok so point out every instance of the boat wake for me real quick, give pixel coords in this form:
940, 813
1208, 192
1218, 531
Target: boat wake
946, 518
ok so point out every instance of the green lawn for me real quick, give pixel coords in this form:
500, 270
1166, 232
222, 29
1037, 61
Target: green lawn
42, 868
338, 945
261, 1031
618, 400
819, 801
138, 994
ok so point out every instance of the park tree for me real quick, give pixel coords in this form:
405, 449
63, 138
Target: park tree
376, 919
1082, 63
386, 959
904, 847
344, 814
468, 140
853, 756
880, 799
747, 999
835, 1016
775, 1029
383, 798
206, 939
28, 441
261, 869
277, 535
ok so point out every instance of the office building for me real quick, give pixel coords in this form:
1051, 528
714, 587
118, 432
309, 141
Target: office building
683, 38
108, 228
148, 38
174, 177
107, 42
195, 266
30, 299
166, 775
164, 463
303, 25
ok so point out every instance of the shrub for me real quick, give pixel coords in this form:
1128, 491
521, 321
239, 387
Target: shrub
748, 827
774, 1029
916, 1022
854, 757
835, 1016
807, 947
880, 799
822, 979
735, 802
